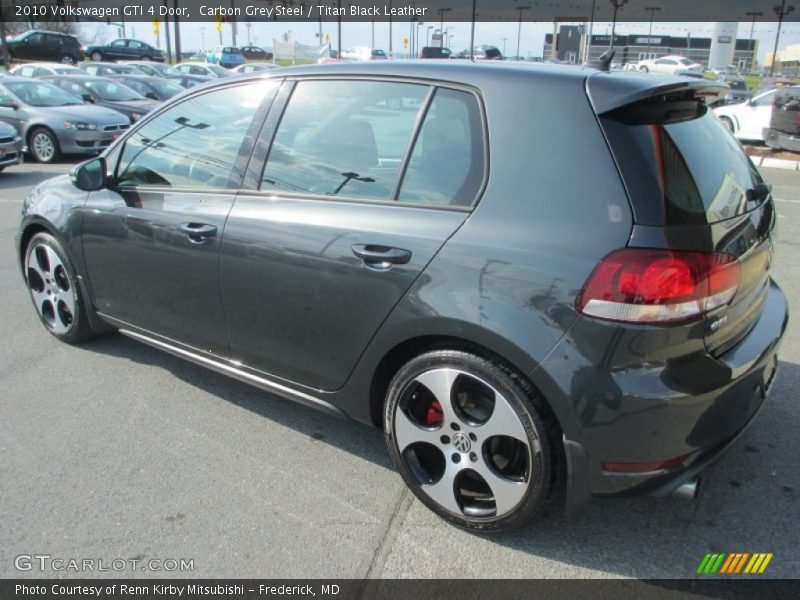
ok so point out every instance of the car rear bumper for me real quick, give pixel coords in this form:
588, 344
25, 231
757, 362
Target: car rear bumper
781, 141
691, 407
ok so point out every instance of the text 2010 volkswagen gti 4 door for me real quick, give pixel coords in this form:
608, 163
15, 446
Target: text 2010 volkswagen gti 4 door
516, 296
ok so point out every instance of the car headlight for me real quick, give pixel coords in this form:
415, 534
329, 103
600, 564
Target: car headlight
79, 126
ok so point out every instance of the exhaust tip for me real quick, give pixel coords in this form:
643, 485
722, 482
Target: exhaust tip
688, 490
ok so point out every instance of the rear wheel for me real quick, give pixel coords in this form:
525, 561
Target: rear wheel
52, 284
67, 60
147, 58
466, 436
97, 56
44, 145
644, 69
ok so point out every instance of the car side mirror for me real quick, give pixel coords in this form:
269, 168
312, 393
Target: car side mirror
151, 95
11, 105
89, 176
88, 98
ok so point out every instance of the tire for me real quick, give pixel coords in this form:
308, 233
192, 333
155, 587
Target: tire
644, 69
147, 58
449, 453
43, 145
68, 60
97, 56
52, 284
726, 121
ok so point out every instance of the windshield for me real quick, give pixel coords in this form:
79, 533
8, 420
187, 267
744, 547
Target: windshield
42, 94
166, 88
217, 70
115, 92
738, 85
162, 69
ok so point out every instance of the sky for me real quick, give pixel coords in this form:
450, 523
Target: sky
193, 35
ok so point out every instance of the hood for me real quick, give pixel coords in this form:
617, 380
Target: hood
83, 112
141, 106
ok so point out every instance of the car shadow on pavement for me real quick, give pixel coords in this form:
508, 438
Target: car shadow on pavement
367, 443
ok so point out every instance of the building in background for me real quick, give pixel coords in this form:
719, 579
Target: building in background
633, 48
788, 61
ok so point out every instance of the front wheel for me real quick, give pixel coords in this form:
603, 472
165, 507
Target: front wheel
44, 145
644, 69
466, 435
52, 284
97, 56
67, 60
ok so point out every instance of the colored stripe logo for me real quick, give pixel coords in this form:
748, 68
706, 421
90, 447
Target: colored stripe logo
734, 563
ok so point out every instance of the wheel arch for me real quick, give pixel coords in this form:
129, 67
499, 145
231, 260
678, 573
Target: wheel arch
32, 127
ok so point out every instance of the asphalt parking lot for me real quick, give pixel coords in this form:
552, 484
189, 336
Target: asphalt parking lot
114, 450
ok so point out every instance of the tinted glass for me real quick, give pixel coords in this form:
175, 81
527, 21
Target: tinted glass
115, 92
344, 138
42, 94
687, 173
195, 143
766, 99
448, 163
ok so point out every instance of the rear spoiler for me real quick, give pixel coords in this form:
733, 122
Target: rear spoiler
611, 91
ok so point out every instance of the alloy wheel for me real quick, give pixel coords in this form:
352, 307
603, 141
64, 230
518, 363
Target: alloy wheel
43, 146
51, 288
465, 444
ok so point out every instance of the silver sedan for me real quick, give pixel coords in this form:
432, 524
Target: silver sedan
52, 121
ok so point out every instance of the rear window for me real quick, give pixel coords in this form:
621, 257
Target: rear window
686, 173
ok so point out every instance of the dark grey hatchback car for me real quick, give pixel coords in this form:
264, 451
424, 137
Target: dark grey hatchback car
523, 274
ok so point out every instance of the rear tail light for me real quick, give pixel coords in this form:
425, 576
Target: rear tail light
636, 285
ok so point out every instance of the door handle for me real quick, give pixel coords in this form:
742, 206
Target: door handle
381, 257
197, 232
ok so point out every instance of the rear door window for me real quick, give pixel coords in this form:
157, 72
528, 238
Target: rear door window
344, 138
447, 165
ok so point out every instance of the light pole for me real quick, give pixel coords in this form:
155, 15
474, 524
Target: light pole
588, 56
519, 27
780, 11
755, 15
616, 4
428, 36
248, 25
416, 38
441, 12
203, 37
653, 10
504, 46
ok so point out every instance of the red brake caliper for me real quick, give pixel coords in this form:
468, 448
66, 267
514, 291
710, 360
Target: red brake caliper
435, 415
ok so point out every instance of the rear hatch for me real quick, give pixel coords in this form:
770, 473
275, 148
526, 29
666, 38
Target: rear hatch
691, 186
786, 111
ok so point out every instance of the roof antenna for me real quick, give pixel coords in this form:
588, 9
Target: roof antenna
604, 62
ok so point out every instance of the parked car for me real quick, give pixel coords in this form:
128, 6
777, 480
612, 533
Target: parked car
103, 69
747, 121
783, 132
124, 49
204, 69
226, 56
739, 91
187, 81
773, 83
254, 68
106, 92
155, 88
631, 66
11, 145
670, 65
44, 45
42, 69
255, 53
607, 318
360, 53
487, 53
154, 69
435, 52
52, 121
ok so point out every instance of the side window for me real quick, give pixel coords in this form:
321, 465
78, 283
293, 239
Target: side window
195, 143
344, 138
26, 72
119, 43
765, 100
448, 163
137, 85
134, 44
